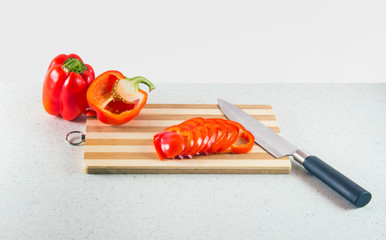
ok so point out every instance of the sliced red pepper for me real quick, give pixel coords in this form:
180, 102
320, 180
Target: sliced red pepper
191, 125
116, 98
168, 144
243, 133
229, 135
157, 144
198, 135
233, 134
221, 134
204, 139
212, 136
187, 135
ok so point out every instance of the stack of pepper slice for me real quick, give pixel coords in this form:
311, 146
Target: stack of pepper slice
202, 136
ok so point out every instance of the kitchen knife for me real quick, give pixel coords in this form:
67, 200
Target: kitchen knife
279, 147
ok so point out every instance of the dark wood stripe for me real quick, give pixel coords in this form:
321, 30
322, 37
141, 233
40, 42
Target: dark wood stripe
128, 129
124, 129
141, 155
183, 117
203, 106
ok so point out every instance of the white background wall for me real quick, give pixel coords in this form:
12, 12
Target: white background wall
199, 41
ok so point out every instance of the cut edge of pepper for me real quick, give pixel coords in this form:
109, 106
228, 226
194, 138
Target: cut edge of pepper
125, 94
126, 89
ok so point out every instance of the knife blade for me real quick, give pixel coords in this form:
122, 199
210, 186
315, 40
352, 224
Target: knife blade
279, 147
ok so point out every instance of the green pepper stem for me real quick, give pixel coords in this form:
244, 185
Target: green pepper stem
74, 65
137, 80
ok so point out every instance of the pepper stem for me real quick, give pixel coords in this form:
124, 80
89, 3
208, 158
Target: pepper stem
137, 80
126, 89
74, 65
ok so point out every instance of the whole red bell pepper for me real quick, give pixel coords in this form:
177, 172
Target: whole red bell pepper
65, 86
115, 98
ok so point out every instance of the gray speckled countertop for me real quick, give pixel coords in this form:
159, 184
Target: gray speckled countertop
46, 195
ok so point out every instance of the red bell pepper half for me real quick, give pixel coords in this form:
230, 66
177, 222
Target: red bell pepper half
115, 98
202, 136
65, 86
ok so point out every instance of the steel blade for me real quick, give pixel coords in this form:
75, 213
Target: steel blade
265, 137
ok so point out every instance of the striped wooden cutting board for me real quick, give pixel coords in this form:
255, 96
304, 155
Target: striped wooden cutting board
129, 148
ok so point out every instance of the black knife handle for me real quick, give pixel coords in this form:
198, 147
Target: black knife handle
337, 181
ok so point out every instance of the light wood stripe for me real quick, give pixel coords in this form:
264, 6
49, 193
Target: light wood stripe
139, 148
112, 142
119, 135
213, 163
164, 123
153, 155
159, 123
204, 106
125, 135
137, 129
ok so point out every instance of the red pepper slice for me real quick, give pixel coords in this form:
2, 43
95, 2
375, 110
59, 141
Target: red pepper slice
115, 98
221, 134
212, 136
191, 126
233, 134
65, 86
243, 133
157, 144
229, 135
168, 144
197, 139
200, 132
187, 135
203, 140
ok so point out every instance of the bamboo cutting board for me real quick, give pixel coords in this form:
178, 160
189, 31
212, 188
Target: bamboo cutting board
129, 148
